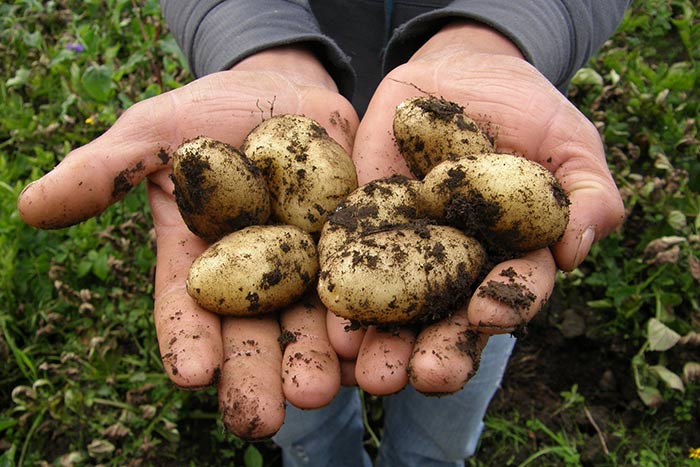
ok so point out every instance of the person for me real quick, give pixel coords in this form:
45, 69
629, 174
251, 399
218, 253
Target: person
347, 65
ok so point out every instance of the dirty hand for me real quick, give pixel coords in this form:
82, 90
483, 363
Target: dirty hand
198, 348
483, 71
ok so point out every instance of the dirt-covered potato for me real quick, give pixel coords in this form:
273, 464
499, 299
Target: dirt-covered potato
429, 130
254, 270
377, 205
217, 189
399, 251
408, 274
308, 172
516, 202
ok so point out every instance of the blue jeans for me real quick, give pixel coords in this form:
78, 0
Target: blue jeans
418, 430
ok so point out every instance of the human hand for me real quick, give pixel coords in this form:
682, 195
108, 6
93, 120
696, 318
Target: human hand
198, 348
478, 68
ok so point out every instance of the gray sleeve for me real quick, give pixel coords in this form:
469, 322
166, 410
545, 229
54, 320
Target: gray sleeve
216, 34
556, 36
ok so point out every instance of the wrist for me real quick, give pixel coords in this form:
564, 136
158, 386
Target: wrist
470, 37
295, 62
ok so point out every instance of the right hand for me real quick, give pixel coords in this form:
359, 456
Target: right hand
477, 67
199, 348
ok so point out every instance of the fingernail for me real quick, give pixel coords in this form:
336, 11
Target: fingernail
24, 190
584, 245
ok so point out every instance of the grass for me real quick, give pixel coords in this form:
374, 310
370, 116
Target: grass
83, 383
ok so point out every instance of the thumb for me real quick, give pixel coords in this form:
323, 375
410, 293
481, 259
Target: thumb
94, 176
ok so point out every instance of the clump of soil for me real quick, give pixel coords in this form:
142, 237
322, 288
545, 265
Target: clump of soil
513, 294
442, 109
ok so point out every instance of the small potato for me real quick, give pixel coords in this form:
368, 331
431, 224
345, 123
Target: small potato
254, 270
512, 201
217, 189
307, 171
402, 275
378, 205
429, 130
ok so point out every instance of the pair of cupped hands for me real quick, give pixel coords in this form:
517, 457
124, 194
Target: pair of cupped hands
465, 63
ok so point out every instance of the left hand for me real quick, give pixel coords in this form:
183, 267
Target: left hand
483, 71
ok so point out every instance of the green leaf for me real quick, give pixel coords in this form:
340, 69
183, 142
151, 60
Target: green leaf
603, 303
587, 77
650, 396
677, 220
7, 422
97, 82
671, 379
8, 457
252, 457
21, 77
84, 268
100, 266
660, 336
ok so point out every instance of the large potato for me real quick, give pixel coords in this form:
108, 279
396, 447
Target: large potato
254, 270
307, 171
217, 189
378, 205
429, 130
509, 199
401, 275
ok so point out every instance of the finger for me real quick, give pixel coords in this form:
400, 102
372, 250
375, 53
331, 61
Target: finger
382, 363
92, 177
189, 337
375, 152
347, 373
251, 397
311, 371
224, 106
345, 338
446, 355
512, 293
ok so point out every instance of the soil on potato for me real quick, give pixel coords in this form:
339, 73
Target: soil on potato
444, 110
193, 169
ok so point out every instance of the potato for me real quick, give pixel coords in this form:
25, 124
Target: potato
254, 270
402, 275
377, 205
515, 202
307, 171
217, 189
429, 130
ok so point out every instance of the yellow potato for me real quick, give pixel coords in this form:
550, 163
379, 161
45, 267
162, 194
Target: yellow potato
429, 130
217, 189
254, 270
378, 205
403, 275
307, 171
508, 199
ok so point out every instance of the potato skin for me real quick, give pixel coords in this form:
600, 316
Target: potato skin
429, 130
403, 275
217, 189
505, 198
378, 205
254, 270
307, 171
